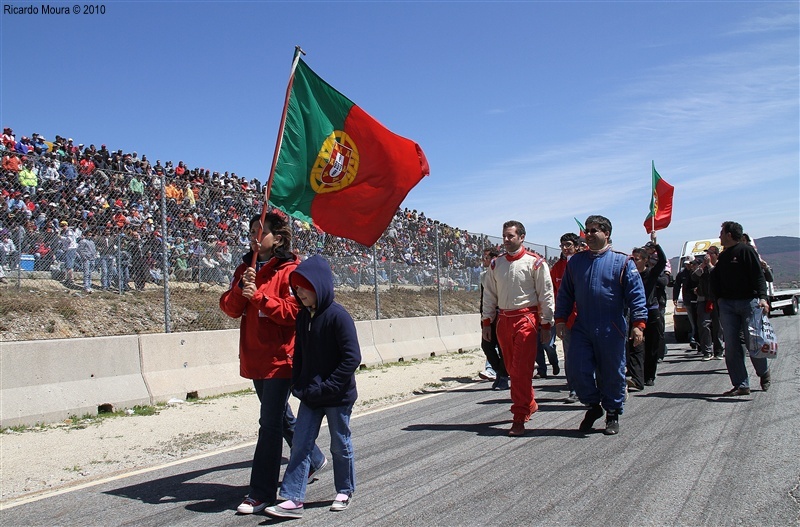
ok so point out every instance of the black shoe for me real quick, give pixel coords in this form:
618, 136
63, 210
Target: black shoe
706, 356
650, 382
556, 369
592, 414
540, 376
736, 391
612, 423
766, 381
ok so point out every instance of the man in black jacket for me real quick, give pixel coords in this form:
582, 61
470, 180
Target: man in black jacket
738, 283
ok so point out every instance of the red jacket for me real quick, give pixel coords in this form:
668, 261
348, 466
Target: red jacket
556, 275
266, 334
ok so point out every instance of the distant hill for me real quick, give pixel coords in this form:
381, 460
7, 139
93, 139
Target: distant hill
782, 253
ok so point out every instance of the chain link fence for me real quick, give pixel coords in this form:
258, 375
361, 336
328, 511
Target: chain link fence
123, 232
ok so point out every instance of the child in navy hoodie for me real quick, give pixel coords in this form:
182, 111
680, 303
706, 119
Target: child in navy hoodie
326, 358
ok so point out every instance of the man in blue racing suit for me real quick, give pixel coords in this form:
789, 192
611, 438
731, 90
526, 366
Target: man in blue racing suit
601, 283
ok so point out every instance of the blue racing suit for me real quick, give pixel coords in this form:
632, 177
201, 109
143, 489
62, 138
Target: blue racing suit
600, 286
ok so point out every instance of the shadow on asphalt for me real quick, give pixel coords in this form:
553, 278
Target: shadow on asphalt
494, 429
693, 372
203, 497
710, 397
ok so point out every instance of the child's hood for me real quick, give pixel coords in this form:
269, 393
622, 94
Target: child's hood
318, 272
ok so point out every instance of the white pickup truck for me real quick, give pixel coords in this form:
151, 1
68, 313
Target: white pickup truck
785, 299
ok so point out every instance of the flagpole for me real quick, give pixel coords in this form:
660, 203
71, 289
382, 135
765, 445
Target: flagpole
278, 142
653, 197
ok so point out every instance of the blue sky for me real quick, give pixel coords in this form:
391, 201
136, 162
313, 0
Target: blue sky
535, 111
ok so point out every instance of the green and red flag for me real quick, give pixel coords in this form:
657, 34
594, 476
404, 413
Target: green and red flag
581, 228
660, 204
338, 167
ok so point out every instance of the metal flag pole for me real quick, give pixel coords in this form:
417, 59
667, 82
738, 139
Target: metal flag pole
653, 198
278, 143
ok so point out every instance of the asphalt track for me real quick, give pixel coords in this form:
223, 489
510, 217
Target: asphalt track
685, 456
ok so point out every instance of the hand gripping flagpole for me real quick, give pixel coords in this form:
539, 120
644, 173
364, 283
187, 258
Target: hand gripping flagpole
278, 143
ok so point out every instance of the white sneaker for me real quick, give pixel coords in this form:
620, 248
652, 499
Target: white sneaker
341, 502
251, 506
487, 375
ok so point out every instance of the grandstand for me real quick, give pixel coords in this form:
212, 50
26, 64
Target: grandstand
204, 227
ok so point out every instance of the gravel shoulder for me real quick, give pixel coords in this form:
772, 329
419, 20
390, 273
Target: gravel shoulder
40, 460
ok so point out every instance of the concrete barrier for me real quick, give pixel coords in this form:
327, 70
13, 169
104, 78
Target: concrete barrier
204, 363
407, 338
45, 381
366, 341
460, 332
48, 380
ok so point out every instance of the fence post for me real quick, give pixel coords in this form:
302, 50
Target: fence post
20, 232
165, 253
119, 263
375, 272
438, 266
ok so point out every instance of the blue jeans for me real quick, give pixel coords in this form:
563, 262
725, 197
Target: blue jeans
88, 268
550, 350
106, 271
309, 421
275, 423
733, 316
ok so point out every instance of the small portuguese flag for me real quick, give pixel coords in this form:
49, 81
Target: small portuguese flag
660, 204
338, 167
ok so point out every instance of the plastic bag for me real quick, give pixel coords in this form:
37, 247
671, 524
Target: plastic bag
762, 343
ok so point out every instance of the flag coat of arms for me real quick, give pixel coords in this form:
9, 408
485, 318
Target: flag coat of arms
660, 204
338, 167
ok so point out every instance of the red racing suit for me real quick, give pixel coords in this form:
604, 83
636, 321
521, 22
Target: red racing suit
519, 292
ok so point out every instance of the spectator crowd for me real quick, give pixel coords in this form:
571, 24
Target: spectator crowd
56, 193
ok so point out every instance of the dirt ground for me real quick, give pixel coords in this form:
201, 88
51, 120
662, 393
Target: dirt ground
41, 308
40, 460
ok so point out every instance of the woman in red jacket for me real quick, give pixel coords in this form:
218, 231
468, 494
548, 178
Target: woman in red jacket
261, 296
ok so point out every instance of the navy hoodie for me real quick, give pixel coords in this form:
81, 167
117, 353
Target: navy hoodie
326, 353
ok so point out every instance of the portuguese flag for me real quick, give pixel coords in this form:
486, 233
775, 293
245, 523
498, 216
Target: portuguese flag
660, 204
338, 167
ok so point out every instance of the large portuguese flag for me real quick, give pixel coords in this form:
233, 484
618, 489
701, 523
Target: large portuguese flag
660, 204
338, 167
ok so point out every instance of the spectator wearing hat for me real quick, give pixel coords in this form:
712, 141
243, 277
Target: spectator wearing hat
8, 139
40, 147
